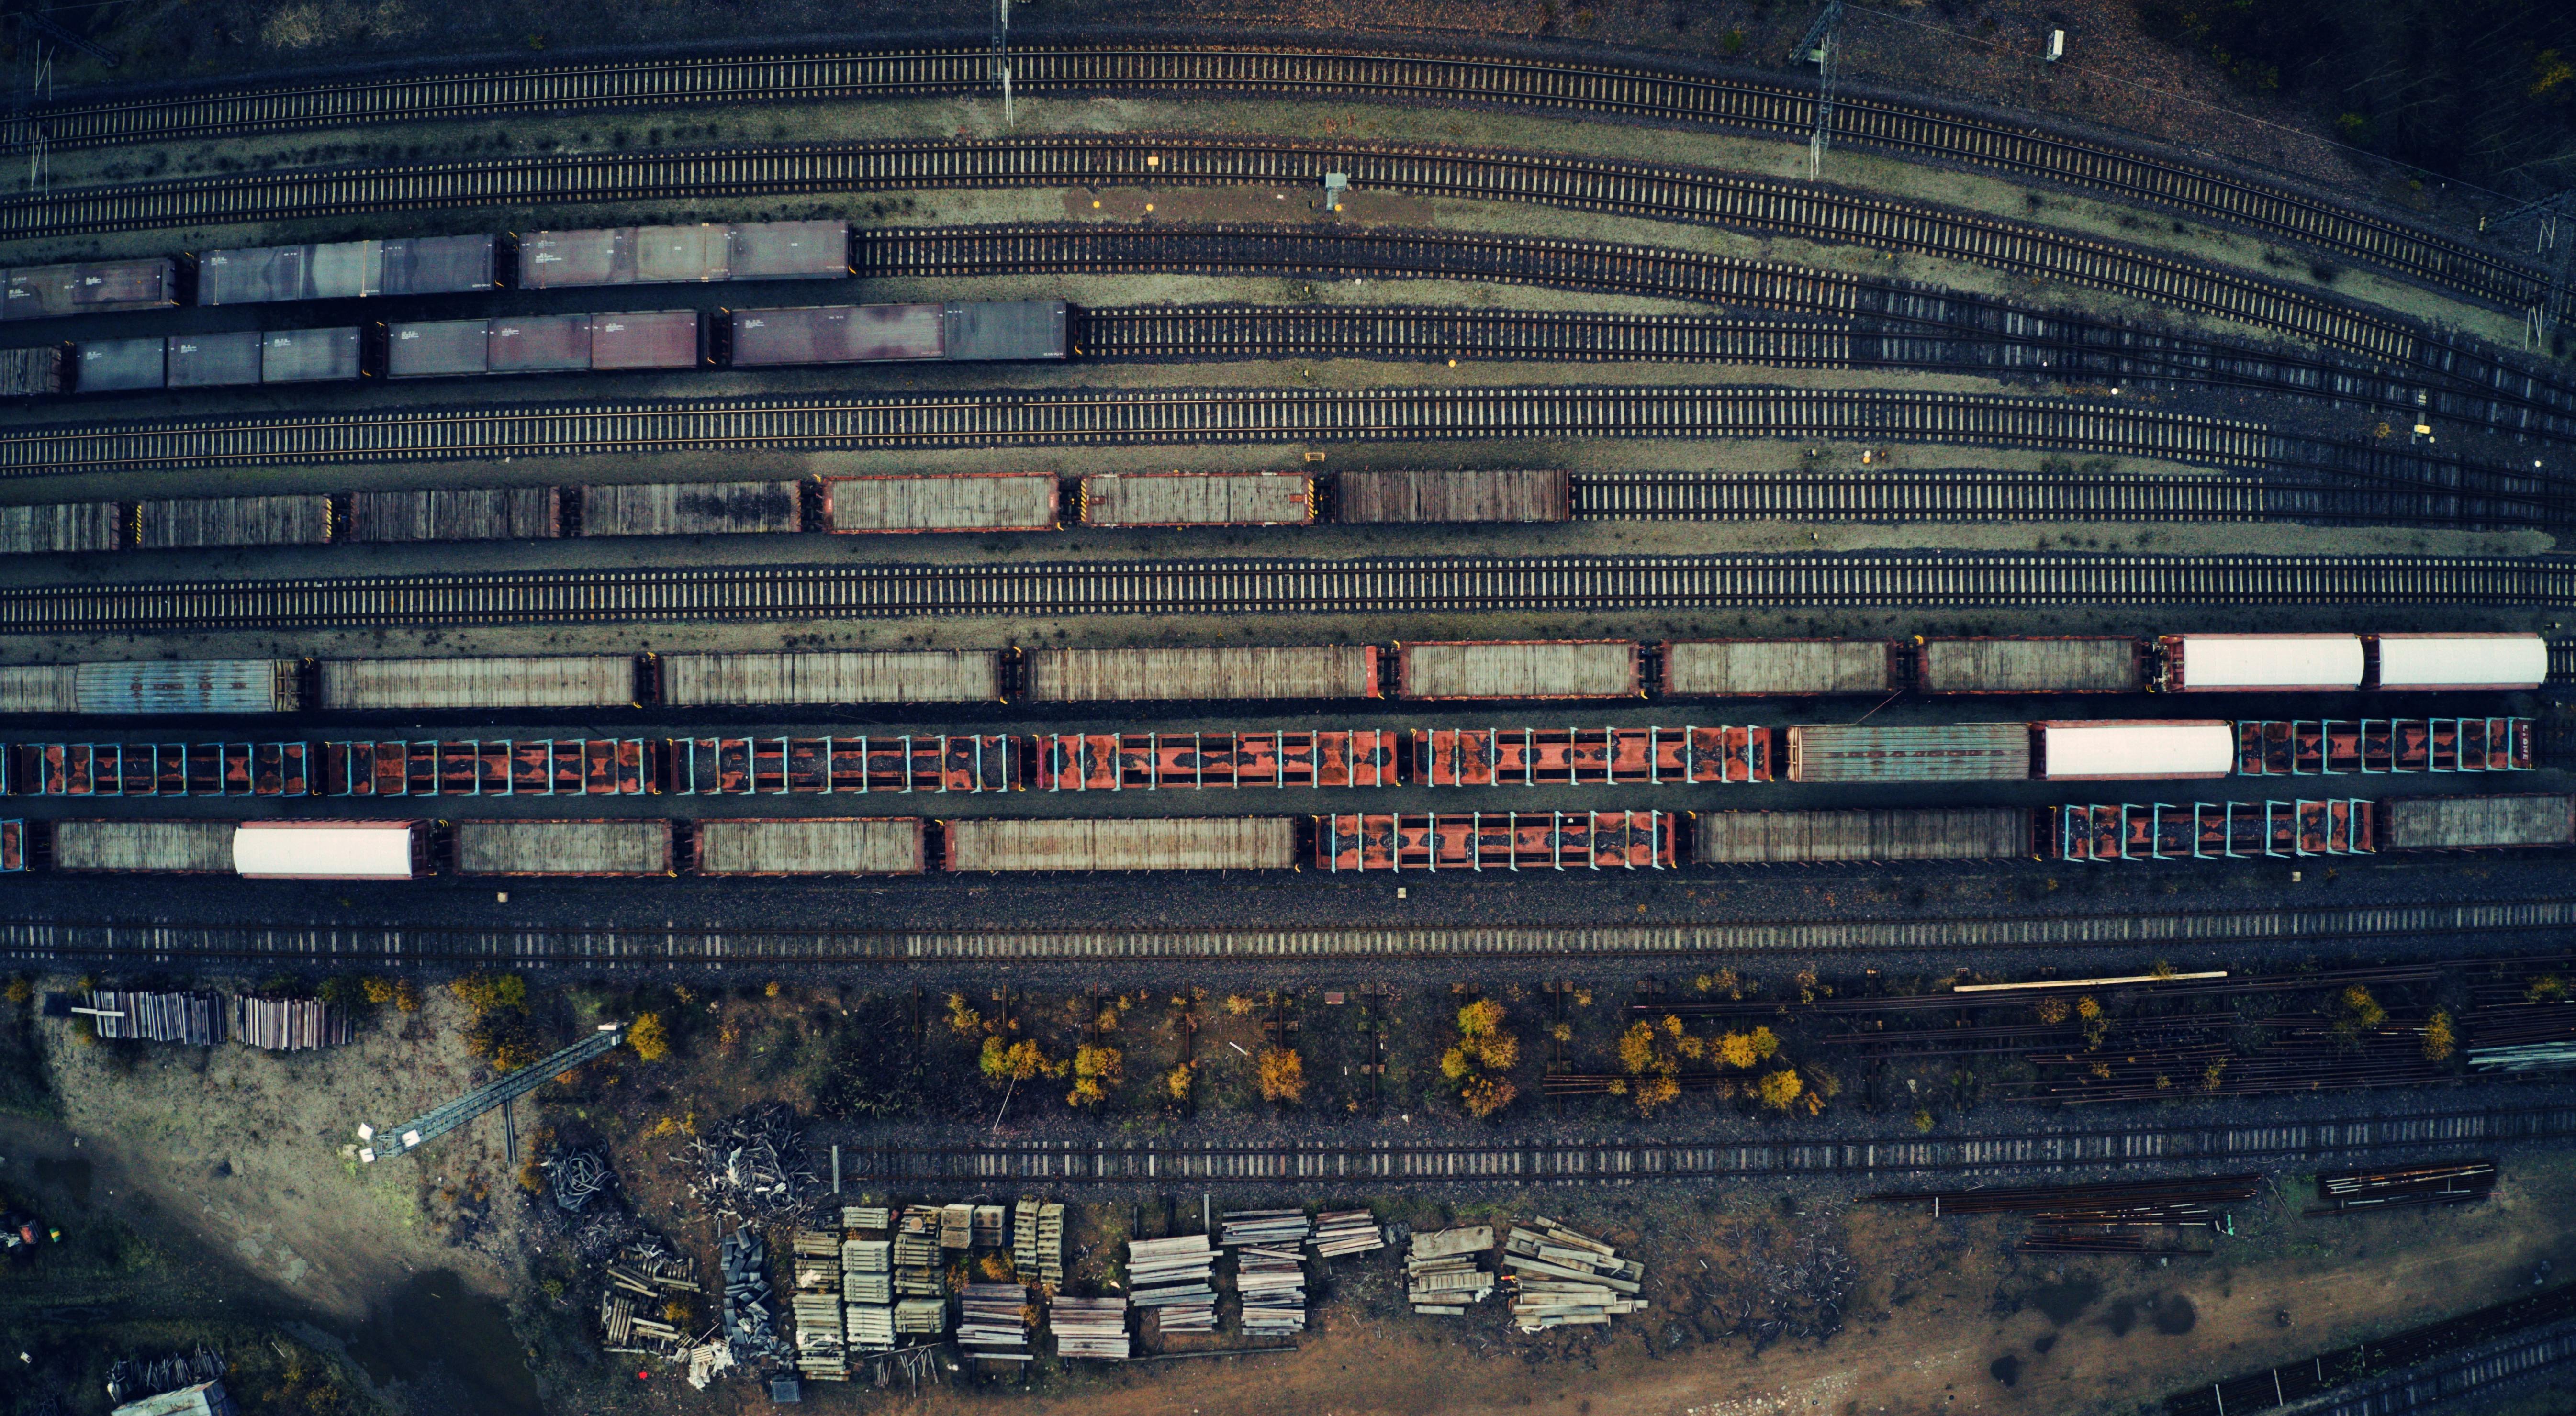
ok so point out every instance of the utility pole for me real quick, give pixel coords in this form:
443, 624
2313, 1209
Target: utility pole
2553, 222
1002, 55
1818, 49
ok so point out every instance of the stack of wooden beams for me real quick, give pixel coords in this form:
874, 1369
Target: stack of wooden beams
921, 1315
1338, 1233
822, 1348
1273, 1229
916, 1255
1176, 1278
993, 1322
1089, 1327
1037, 1241
647, 1277
1442, 1275
957, 1227
1567, 1279
1272, 1285
289, 1024
871, 1326
987, 1227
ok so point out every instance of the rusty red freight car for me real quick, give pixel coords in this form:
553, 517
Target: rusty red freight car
2327, 746
1075, 762
2210, 830
1529, 757
1498, 840
159, 769
888, 762
489, 767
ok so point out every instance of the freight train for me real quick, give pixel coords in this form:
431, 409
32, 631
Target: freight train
1354, 842
1428, 672
979, 502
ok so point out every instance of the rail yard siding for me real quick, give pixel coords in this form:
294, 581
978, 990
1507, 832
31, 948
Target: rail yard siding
2218, 663
474, 514
852, 676
2459, 661
35, 292
1777, 668
2071, 665
1553, 668
973, 501
838, 334
1197, 499
1948, 752
844, 846
689, 508
2473, 823
1255, 843
1792, 837
198, 847
2135, 750
63, 526
563, 847
543, 681
233, 521
1363, 498
1214, 675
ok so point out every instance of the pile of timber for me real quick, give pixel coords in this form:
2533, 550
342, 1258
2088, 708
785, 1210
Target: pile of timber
1344, 1232
987, 1228
1271, 1229
1176, 1278
1562, 1278
993, 1322
193, 1018
916, 1255
822, 1340
1442, 1275
924, 1316
1089, 1327
647, 1276
1272, 1285
1037, 1241
956, 1226
289, 1024
2459, 1182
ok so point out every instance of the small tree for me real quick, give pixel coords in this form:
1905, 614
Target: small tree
1280, 1074
1780, 1089
1095, 1070
1007, 1064
2439, 1039
1481, 1058
1652, 1055
1746, 1051
651, 1041
1176, 1082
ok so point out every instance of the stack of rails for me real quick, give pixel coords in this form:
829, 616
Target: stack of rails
1562, 1278
867, 1292
196, 1019
1177, 1279
1153, 761
993, 1322
289, 1024
1442, 1274
1089, 1327
2098, 1219
1037, 1241
2520, 1025
916, 1255
1270, 1284
1499, 840
822, 1342
1339, 1233
2456, 1183
921, 1317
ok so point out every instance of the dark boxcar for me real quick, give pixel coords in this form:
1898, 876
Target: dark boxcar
437, 265
791, 250
431, 348
118, 365
1365, 498
253, 275
836, 334
214, 360
646, 339
1008, 329
597, 256
34, 292
537, 344
309, 355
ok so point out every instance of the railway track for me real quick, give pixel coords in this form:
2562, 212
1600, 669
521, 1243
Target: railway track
1914, 128
1246, 585
1622, 1161
42, 942
1650, 191
2462, 380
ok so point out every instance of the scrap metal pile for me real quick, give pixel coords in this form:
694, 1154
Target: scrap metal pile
1562, 1278
130, 1380
576, 1179
750, 1324
753, 1166
2458, 1182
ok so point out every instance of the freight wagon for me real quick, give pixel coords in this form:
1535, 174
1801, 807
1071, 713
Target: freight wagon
1828, 837
235, 360
174, 686
1202, 674
2476, 823
125, 769
63, 526
490, 767
2324, 747
1777, 668
955, 332
1075, 762
1104, 845
2209, 830
40, 292
696, 254
2414, 662
1132, 499
303, 520
1498, 840
1392, 498
814, 846
540, 681
1558, 668
256, 850
350, 270
632, 847
467, 514
2067, 665
904, 762
546, 344
970, 501
1488, 757
847, 677
691, 509
2267, 663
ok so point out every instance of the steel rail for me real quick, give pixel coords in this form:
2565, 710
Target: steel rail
665, 945
2468, 381
1647, 190
1638, 1160
1912, 127
1239, 586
